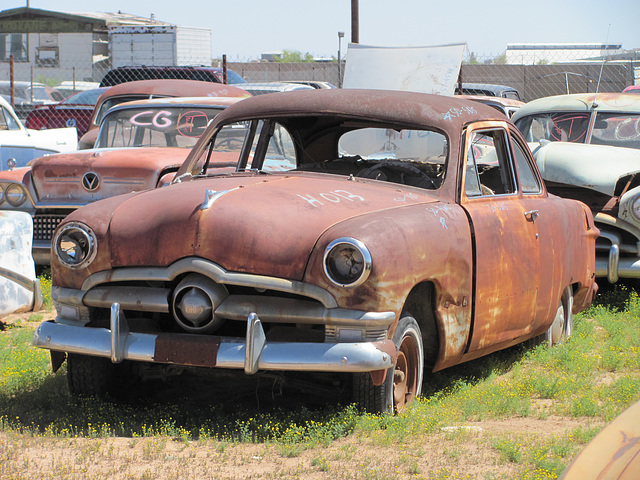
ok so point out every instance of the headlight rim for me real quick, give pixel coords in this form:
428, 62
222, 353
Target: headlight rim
2, 195
23, 198
92, 242
364, 251
632, 204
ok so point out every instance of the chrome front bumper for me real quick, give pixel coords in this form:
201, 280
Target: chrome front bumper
251, 353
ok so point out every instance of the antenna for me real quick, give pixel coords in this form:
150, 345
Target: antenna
606, 44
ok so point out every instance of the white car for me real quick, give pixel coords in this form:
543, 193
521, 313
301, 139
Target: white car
19, 286
19, 145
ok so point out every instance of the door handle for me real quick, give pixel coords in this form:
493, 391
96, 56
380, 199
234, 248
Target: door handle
532, 215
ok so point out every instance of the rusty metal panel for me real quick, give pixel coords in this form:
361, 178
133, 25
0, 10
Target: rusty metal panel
197, 351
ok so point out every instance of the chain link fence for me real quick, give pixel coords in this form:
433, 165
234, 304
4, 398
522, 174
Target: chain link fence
42, 79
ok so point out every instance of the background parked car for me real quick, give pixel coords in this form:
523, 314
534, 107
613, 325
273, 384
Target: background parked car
19, 145
490, 90
27, 95
365, 235
56, 185
273, 87
126, 92
141, 72
74, 111
587, 147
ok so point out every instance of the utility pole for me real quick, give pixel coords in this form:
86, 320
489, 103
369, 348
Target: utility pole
355, 22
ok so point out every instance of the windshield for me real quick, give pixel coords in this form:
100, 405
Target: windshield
617, 129
410, 157
167, 126
555, 127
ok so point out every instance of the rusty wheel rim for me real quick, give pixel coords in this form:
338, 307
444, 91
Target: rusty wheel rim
405, 376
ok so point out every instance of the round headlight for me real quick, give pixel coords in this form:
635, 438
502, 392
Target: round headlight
15, 195
1, 194
635, 208
75, 245
347, 262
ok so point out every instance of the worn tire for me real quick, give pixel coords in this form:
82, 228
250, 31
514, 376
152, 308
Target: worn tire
89, 376
562, 326
402, 383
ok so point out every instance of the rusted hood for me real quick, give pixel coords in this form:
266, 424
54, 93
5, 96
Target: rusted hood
596, 167
260, 224
63, 177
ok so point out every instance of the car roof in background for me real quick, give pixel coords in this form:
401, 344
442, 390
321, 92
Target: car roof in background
582, 102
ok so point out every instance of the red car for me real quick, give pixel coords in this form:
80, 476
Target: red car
74, 111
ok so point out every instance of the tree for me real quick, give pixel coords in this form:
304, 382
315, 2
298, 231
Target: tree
294, 56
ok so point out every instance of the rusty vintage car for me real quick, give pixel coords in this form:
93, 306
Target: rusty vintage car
141, 89
55, 185
364, 234
587, 147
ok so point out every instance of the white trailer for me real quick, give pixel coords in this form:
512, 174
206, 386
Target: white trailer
159, 45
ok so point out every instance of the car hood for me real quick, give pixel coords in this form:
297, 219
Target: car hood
596, 167
266, 225
62, 177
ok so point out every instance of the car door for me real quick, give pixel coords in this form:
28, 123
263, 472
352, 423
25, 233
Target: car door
506, 240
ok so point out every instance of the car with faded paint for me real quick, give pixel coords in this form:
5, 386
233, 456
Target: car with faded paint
55, 185
74, 111
613, 454
364, 238
141, 89
587, 147
20, 145
19, 287
507, 106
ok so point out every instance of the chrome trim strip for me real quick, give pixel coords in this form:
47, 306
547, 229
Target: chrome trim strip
144, 299
215, 272
234, 307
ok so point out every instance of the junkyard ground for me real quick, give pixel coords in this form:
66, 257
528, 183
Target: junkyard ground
487, 449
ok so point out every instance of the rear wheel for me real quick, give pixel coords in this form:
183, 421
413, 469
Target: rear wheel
402, 383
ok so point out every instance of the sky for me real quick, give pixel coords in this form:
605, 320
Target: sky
244, 29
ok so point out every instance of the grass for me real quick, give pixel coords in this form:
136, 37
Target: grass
585, 382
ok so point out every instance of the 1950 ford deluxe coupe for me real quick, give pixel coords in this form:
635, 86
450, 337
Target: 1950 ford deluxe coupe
364, 233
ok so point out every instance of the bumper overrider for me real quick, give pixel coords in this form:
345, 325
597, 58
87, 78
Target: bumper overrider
617, 249
341, 351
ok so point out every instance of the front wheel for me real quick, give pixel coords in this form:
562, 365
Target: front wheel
403, 382
89, 376
562, 326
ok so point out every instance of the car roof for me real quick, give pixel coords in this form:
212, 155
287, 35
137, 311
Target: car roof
179, 102
581, 102
174, 88
412, 109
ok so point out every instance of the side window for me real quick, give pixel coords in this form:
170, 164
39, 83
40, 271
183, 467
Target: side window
281, 153
488, 170
224, 149
528, 179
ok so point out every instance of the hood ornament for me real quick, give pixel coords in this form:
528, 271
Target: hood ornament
90, 181
211, 196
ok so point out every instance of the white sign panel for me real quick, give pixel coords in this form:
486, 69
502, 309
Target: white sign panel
433, 69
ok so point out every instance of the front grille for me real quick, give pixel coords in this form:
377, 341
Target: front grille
45, 224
